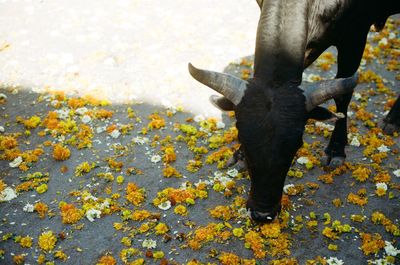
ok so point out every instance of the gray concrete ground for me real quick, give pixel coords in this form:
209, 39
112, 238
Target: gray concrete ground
88, 48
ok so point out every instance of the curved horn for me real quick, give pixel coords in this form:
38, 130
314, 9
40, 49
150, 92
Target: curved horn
231, 87
322, 91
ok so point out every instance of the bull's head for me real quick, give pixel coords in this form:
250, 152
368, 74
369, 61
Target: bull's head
271, 121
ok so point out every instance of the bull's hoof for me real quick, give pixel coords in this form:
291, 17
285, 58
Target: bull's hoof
332, 162
390, 128
337, 161
261, 217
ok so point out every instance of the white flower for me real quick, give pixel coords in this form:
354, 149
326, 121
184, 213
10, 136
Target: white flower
90, 197
92, 213
303, 160
3, 96
350, 113
392, 35
243, 212
334, 261
16, 162
324, 126
54, 102
355, 142
62, 113
199, 118
381, 185
217, 174
140, 140
2, 129
149, 243
383, 148
232, 172
105, 204
86, 119
7, 194
28, 208
155, 158
115, 134
287, 187
383, 42
357, 96
220, 125
165, 205
391, 250
100, 129
81, 111
397, 173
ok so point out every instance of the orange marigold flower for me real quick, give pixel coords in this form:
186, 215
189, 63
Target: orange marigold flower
70, 214
106, 260
371, 243
134, 194
7, 142
41, 208
361, 173
61, 153
229, 259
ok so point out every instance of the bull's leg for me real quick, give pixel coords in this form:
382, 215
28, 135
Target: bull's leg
392, 120
349, 57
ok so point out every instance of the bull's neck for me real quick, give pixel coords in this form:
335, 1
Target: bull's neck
281, 41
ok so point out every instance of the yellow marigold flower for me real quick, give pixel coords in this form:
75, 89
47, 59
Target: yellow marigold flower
169, 171
169, 154
229, 259
30, 123
238, 232
120, 179
329, 233
380, 192
337, 202
83, 168
2, 185
61, 153
26, 242
106, 260
41, 208
140, 215
42, 188
134, 194
156, 122
70, 214
59, 254
126, 241
272, 230
47, 241
138, 262
357, 218
161, 229
118, 226
41, 259
361, 174
332, 247
158, 254
144, 228
181, 210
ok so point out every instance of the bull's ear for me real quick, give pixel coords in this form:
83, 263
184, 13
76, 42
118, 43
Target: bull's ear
222, 103
323, 114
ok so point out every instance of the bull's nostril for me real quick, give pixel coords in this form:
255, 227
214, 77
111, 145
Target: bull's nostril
262, 217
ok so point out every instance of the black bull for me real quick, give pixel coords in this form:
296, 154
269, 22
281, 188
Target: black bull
270, 108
